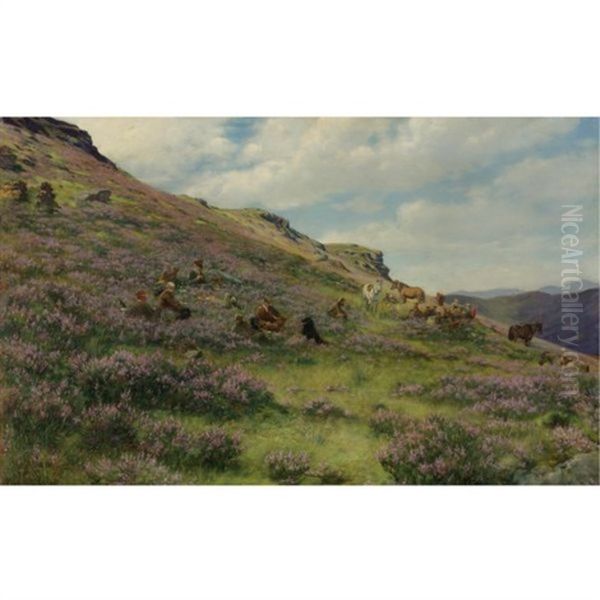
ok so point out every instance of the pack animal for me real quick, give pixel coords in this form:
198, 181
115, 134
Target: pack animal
524, 332
371, 292
406, 292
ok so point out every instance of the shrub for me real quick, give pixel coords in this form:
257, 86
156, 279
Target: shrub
130, 469
328, 475
42, 413
147, 379
287, 467
438, 451
108, 427
387, 422
225, 393
558, 418
217, 449
27, 464
516, 396
568, 441
168, 442
321, 407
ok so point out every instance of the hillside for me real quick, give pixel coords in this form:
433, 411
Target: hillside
540, 306
92, 394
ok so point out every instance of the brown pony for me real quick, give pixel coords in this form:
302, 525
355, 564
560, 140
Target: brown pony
524, 332
406, 292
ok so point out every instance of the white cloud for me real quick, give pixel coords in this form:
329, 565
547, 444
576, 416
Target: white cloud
505, 233
299, 162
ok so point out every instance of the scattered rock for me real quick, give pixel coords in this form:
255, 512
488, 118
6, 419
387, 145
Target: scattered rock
99, 196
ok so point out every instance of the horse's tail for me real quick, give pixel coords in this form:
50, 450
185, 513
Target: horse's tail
512, 333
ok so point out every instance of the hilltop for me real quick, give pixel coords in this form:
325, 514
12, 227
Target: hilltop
92, 395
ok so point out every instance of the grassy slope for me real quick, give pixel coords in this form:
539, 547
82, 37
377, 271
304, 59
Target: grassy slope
151, 228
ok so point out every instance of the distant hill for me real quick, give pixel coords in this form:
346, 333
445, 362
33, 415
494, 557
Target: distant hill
496, 292
488, 293
556, 289
540, 306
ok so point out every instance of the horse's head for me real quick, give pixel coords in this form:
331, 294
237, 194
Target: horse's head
537, 326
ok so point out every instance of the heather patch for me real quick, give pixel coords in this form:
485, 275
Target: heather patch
438, 451
287, 467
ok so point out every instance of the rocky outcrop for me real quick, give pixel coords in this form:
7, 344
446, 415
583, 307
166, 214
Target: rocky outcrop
365, 259
284, 227
99, 196
61, 130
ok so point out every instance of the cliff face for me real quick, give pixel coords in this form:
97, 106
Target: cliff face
365, 259
61, 130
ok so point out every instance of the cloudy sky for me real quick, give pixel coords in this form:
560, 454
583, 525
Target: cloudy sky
453, 203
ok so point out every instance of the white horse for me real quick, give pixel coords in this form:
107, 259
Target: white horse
371, 292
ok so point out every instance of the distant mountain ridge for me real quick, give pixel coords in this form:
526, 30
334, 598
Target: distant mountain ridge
497, 292
547, 308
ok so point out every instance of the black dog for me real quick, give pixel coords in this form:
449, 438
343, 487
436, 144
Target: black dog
309, 331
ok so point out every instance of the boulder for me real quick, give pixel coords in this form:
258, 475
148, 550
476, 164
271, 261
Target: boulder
99, 196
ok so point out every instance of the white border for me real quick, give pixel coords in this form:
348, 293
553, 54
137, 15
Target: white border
460, 58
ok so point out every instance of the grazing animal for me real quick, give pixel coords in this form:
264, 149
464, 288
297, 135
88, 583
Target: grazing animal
309, 331
371, 292
407, 292
440, 299
268, 318
524, 332
422, 312
337, 311
141, 308
167, 301
196, 275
